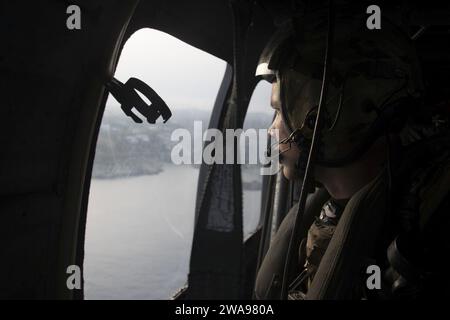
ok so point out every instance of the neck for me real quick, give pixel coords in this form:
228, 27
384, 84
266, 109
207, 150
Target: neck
344, 182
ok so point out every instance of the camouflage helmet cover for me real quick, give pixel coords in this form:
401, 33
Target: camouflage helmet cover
370, 70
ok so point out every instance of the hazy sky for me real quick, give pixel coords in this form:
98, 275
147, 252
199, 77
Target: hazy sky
184, 76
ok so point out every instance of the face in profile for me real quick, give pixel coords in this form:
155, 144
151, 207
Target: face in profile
288, 153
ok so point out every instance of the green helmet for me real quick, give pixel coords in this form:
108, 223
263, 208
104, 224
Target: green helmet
374, 81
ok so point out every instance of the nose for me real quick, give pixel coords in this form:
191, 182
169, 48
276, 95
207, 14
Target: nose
271, 128
274, 128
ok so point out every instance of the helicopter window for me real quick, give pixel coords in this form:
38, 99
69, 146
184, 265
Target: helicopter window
141, 206
259, 116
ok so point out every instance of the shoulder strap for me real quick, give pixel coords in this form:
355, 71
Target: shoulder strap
434, 191
354, 239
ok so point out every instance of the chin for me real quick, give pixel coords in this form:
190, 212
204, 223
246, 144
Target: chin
288, 172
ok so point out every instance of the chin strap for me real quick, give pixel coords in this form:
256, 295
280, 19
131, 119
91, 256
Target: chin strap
308, 178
